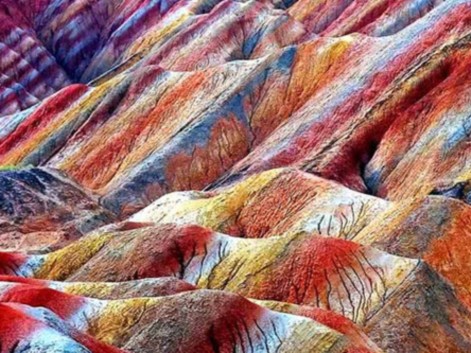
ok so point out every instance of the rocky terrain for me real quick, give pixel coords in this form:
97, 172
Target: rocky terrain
229, 176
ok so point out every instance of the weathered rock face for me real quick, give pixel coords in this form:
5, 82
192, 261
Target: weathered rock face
208, 315
230, 176
40, 208
28, 71
260, 91
305, 267
33, 329
292, 202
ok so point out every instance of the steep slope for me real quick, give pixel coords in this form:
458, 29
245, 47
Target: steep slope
235, 176
270, 203
358, 282
438, 141
336, 137
39, 330
290, 202
376, 18
40, 208
249, 115
358, 342
29, 72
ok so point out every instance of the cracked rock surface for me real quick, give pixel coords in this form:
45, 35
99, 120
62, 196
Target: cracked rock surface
235, 176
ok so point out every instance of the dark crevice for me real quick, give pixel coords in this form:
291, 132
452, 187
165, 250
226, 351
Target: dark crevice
460, 191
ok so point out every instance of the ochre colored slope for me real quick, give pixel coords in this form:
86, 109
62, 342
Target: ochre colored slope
147, 131
225, 176
137, 323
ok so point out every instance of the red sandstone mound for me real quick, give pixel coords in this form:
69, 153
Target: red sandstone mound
235, 176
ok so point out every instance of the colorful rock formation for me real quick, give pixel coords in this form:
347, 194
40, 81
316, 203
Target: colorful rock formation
41, 208
230, 176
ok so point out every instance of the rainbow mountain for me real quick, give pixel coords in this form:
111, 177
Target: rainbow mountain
228, 176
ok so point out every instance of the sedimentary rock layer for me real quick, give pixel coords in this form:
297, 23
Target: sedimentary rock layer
230, 176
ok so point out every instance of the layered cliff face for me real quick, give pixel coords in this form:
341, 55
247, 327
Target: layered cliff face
235, 176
